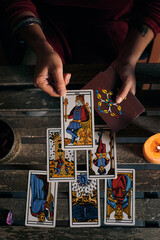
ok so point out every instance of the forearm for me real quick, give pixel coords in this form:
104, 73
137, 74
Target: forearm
136, 41
32, 34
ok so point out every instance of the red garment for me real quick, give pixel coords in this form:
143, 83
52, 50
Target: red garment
60, 162
119, 186
84, 114
87, 31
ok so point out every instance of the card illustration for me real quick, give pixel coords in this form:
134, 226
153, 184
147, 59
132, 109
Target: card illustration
84, 202
41, 200
101, 161
61, 165
120, 198
106, 103
77, 120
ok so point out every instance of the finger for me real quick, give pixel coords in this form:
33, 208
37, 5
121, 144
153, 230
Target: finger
67, 77
59, 82
46, 87
126, 86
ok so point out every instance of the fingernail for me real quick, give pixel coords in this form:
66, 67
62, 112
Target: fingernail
62, 92
119, 100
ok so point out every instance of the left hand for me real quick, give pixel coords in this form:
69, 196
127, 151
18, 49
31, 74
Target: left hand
126, 72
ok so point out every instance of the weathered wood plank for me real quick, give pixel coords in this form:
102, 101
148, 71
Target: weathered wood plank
143, 126
16, 181
145, 209
62, 233
23, 75
36, 100
31, 154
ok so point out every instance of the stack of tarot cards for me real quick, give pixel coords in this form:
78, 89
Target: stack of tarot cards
78, 132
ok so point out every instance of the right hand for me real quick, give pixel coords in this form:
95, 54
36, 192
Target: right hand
49, 73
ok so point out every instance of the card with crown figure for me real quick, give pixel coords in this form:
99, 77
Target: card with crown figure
101, 161
77, 120
119, 203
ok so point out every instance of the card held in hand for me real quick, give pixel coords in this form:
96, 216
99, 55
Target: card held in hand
119, 200
61, 164
77, 120
101, 161
84, 201
41, 200
117, 116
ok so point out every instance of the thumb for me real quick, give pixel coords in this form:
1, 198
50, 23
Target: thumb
67, 77
126, 86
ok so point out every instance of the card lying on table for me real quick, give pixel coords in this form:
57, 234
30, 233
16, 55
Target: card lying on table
41, 200
101, 161
61, 165
119, 202
84, 201
77, 120
117, 116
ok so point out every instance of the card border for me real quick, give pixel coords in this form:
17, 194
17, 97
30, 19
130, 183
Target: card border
62, 121
75, 161
119, 170
27, 202
115, 156
98, 205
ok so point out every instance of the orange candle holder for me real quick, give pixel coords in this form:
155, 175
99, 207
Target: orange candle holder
151, 149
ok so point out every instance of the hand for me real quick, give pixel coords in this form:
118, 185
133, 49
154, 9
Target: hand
126, 72
49, 73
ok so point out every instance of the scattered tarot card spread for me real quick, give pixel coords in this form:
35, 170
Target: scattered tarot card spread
41, 200
61, 165
84, 201
119, 202
77, 120
101, 161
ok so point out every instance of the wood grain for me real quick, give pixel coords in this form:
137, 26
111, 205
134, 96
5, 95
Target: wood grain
16, 181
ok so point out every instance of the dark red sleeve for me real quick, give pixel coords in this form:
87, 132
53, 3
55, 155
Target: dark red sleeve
11, 8
148, 13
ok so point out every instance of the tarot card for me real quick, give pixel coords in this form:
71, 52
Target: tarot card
84, 201
101, 161
61, 165
77, 120
41, 200
119, 202
117, 116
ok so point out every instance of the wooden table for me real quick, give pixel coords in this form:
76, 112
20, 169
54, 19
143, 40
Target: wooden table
20, 102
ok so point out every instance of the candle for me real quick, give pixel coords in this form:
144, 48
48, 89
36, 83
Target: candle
151, 149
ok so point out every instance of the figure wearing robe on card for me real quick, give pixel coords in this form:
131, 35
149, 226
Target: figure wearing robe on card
119, 196
101, 160
79, 114
42, 198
